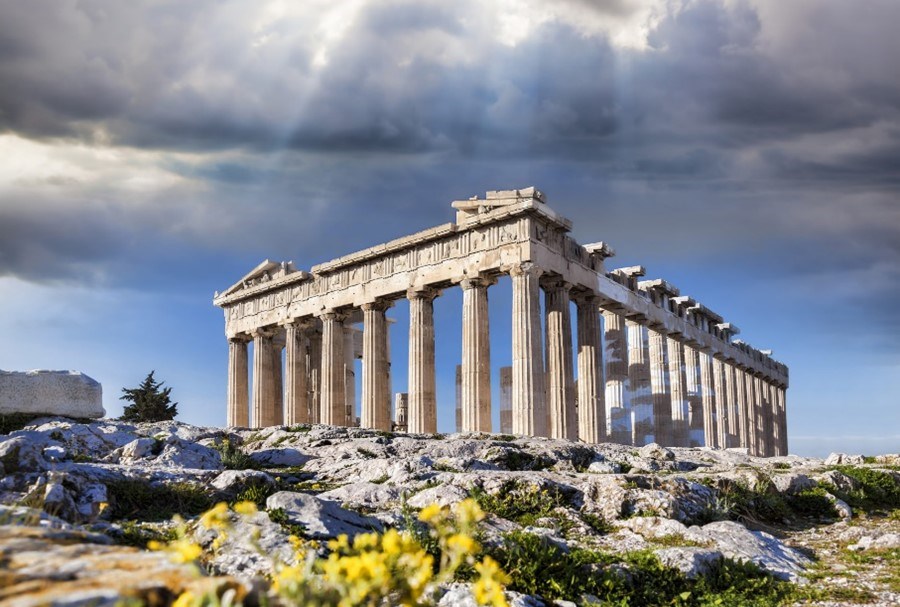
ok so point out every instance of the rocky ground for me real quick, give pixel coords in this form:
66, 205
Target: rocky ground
571, 523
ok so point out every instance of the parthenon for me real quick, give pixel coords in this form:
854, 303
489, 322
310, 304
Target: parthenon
652, 365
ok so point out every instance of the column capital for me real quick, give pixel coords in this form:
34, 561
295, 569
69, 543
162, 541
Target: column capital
477, 281
298, 323
586, 298
379, 305
331, 314
428, 293
262, 332
525, 268
239, 338
550, 283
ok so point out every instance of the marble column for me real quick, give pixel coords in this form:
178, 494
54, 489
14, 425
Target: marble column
776, 418
376, 399
679, 404
263, 399
591, 402
476, 357
752, 416
721, 403
641, 398
314, 388
615, 357
732, 404
506, 400
529, 408
459, 398
740, 402
275, 415
349, 376
332, 399
661, 395
708, 396
782, 408
238, 404
762, 395
422, 392
694, 388
296, 399
561, 420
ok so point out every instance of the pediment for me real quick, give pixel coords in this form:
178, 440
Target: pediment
264, 272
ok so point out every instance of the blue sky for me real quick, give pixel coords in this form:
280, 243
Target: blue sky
746, 151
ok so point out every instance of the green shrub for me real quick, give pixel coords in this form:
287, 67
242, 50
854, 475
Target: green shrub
878, 491
10, 422
517, 460
279, 516
137, 499
520, 502
233, 458
150, 402
812, 503
257, 493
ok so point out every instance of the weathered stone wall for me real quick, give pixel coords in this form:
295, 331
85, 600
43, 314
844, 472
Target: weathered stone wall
69, 393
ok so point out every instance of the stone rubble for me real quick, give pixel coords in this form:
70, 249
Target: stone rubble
330, 480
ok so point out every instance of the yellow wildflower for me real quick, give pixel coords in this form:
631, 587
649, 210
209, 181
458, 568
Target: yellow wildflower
468, 512
216, 517
339, 543
181, 551
185, 599
488, 588
430, 513
462, 544
246, 508
365, 541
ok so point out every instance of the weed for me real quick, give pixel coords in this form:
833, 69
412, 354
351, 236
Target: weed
505, 438
596, 522
233, 458
878, 491
304, 428
521, 503
279, 516
381, 479
812, 503
781, 466
257, 493
517, 460
138, 533
366, 453
443, 467
137, 499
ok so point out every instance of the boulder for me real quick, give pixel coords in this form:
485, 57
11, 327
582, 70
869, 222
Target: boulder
234, 481
69, 393
843, 459
369, 496
270, 458
322, 519
691, 561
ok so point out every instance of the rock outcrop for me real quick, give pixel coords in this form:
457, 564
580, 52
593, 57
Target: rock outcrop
68, 393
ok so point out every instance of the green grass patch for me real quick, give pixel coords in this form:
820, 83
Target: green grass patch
139, 533
878, 491
279, 516
520, 502
517, 460
233, 458
136, 499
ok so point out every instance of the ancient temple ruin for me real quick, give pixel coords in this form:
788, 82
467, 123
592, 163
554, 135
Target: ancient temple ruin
652, 364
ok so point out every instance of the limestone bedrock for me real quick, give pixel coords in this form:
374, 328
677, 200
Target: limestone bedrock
69, 393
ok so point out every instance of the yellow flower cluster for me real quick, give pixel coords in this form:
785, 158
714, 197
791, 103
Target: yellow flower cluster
181, 550
374, 568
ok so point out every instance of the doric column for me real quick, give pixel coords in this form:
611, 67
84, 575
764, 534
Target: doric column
641, 398
776, 418
561, 420
263, 377
296, 399
529, 409
591, 405
314, 364
740, 407
680, 406
350, 376
275, 416
721, 403
422, 400
376, 398
731, 403
762, 395
506, 400
659, 387
782, 408
616, 359
333, 403
458, 409
238, 411
694, 395
708, 396
476, 357
752, 412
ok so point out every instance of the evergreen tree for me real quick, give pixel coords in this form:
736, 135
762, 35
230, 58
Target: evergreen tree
150, 402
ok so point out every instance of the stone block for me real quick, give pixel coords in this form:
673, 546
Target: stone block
68, 393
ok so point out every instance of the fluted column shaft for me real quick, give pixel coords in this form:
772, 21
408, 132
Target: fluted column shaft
752, 413
263, 399
708, 396
476, 357
782, 408
721, 403
762, 395
616, 360
314, 388
731, 403
529, 407
350, 377
740, 397
694, 387
561, 419
275, 415
641, 396
296, 399
333, 402
776, 418
591, 405
659, 387
238, 404
376, 400
680, 407
422, 399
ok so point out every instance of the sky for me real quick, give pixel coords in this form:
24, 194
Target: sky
746, 151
